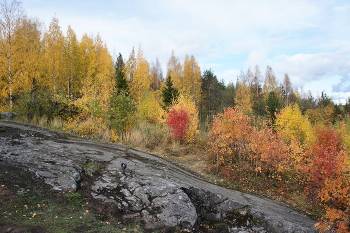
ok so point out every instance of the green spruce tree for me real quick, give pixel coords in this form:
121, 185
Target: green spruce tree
121, 82
169, 93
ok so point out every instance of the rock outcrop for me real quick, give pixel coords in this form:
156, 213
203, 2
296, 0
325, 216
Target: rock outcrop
149, 188
7, 115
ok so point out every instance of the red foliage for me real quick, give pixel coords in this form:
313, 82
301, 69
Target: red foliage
328, 181
327, 157
178, 120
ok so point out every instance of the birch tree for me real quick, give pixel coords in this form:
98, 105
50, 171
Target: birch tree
174, 70
141, 78
191, 82
130, 66
71, 63
156, 75
270, 83
28, 56
54, 45
11, 15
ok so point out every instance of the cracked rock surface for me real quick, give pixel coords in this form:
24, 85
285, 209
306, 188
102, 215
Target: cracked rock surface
161, 194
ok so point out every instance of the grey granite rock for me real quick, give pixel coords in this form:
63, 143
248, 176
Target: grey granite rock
150, 188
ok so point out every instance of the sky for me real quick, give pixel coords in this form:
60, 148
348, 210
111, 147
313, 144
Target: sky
307, 39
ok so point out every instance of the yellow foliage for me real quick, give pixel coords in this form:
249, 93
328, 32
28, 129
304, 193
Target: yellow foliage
320, 115
191, 81
53, 55
294, 126
174, 70
113, 136
186, 103
243, 97
89, 127
141, 80
344, 129
150, 109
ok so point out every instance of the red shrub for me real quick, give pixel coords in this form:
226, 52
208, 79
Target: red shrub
178, 120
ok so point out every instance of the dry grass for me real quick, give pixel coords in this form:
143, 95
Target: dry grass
156, 139
56, 123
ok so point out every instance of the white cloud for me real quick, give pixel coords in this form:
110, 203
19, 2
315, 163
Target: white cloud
305, 38
229, 76
256, 58
309, 67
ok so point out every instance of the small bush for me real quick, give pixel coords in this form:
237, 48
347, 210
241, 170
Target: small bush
178, 120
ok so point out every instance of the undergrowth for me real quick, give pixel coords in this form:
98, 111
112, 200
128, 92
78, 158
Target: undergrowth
157, 139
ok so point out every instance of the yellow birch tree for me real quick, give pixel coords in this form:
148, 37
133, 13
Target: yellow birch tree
53, 53
191, 81
104, 74
87, 71
71, 63
11, 15
174, 70
270, 84
141, 80
28, 56
130, 66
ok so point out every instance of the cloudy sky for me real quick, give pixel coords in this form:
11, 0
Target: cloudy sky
307, 39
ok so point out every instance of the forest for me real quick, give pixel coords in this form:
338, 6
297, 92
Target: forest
256, 132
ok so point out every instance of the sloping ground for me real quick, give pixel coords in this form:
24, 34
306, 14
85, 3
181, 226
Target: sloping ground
135, 185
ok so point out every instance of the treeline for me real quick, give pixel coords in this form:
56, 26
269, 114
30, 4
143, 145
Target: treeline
39, 64
260, 130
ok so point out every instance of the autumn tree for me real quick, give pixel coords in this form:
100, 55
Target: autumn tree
87, 72
11, 15
130, 66
156, 75
229, 135
270, 84
293, 125
140, 81
323, 111
243, 96
104, 74
53, 53
150, 109
71, 64
175, 71
187, 104
268, 153
191, 81
28, 56
328, 181
97, 75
